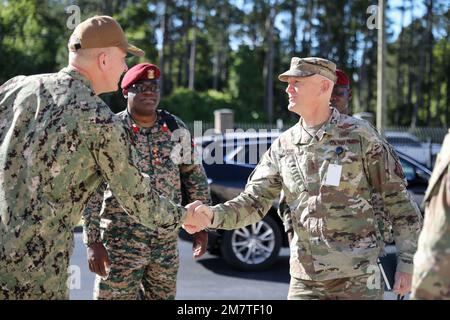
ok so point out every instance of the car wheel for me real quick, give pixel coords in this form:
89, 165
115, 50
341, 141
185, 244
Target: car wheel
254, 247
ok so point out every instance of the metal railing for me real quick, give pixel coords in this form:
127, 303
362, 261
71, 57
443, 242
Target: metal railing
424, 134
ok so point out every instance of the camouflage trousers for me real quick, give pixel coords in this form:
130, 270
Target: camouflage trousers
28, 279
143, 263
33, 291
354, 288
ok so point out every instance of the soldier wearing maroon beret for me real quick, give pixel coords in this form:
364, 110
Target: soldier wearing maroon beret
342, 93
143, 263
141, 86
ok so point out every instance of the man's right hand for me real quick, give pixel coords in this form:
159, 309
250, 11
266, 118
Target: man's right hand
98, 259
198, 217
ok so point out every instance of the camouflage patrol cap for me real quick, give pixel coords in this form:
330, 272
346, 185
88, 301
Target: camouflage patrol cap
101, 32
305, 67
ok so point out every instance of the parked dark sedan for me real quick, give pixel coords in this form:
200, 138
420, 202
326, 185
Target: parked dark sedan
228, 162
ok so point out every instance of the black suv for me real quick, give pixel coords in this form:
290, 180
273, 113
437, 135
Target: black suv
228, 160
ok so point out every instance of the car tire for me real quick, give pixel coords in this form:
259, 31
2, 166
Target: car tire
215, 251
252, 248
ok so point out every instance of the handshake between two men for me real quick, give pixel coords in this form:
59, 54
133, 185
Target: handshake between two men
198, 217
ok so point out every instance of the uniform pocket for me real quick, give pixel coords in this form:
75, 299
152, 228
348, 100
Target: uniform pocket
293, 177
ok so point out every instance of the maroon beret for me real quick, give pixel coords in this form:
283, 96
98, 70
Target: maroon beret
342, 78
141, 71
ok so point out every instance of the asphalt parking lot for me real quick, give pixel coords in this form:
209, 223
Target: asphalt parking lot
209, 278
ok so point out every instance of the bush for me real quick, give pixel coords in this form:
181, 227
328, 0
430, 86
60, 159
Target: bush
192, 105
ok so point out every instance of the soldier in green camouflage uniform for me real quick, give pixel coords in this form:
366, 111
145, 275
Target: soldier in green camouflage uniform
139, 257
431, 278
328, 169
340, 98
59, 141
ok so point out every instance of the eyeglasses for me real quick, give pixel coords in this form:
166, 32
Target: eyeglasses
141, 87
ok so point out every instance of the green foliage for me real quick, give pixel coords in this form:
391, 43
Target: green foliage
246, 83
231, 50
30, 36
140, 23
194, 105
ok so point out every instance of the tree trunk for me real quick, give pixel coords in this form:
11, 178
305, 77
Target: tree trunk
169, 80
293, 34
306, 37
419, 88
362, 78
188, 45
216, 62
164, 25
370, 75
268, 63
223, 48
216, 58
438, 94
400, 101
429, 64
423, 75
183, 68
447, 100
325, 46
410, 65
192, 60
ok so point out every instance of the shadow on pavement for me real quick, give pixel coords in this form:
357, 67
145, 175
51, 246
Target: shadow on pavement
278, 272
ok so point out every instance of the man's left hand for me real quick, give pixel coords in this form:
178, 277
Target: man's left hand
402, 284
200, 244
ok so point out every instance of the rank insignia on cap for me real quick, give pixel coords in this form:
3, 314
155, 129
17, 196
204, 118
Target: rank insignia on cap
151, 74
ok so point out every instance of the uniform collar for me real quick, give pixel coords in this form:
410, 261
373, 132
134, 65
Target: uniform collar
324, 130
73, 73
130, 122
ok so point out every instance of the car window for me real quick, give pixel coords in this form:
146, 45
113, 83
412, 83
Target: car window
214, 152
404, 141
251, 152
408, 170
